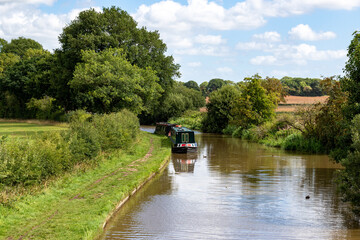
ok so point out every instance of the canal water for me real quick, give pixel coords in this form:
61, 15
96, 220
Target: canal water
234, 189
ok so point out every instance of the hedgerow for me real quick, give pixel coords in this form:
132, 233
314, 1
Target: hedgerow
26, 161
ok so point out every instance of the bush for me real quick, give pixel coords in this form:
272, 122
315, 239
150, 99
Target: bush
190, 119
298, 142
229, 130
84, 140
237, 132
116, 130
30, 161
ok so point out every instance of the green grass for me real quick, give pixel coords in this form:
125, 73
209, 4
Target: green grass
76, 205
24, 128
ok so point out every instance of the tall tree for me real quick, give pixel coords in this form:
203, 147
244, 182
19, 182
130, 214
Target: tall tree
214, 84
106, 82
112, 28
25, 78
20, 45
3, 42
192, 85
351, 83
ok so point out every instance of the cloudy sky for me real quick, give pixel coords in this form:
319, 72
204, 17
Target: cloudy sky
229, 39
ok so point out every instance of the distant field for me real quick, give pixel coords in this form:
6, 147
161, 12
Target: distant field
26, 128
292, 102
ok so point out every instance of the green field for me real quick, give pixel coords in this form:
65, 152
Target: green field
24, 128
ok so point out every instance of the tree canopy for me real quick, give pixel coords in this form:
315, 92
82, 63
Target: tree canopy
19, 46
351, 83
192, 85
302, 86
113, 28
106, 82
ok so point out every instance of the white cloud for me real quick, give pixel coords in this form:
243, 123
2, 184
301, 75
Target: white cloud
268, 37
22, 19
263, 60
248, 46
224, 70
194, 64
209, 39
284, 54
248, 14
204, 50
304, 32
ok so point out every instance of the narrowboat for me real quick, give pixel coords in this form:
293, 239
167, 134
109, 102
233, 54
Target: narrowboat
182, 139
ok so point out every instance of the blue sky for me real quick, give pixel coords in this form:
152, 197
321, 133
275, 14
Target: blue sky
229, 39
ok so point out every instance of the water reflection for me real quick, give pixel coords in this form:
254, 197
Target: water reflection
184, 162
239, 190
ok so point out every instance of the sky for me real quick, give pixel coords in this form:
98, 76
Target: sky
228, 39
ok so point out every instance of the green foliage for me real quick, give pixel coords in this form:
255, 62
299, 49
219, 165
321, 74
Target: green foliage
177, 101
302, 86
298, 142
349, 177
106, 82
256, 105
229, 130
214, 84
116, 130
44, 108
326, 122
351, 83
20, 45
7, 60
192, 85
203, 87
111, 28
242, 105
3, 42
27, 161
24, 79
274, 87
220, 108
190, 119
84, 141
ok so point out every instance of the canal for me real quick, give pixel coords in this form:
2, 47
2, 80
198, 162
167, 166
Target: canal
234, 189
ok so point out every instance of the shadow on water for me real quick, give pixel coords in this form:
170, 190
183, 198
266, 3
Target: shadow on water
233, 189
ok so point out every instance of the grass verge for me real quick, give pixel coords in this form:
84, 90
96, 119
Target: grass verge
28, 128
76, 205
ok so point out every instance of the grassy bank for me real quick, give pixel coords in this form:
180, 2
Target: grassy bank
75, 205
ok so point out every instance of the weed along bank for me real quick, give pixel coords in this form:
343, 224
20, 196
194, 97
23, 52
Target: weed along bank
78, 203
182, 139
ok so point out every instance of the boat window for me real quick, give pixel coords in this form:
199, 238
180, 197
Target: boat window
185, 137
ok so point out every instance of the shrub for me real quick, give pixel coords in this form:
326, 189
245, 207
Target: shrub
84, 140
229, 130
297, 141
116, 130
190, 119
237, 132
30, 161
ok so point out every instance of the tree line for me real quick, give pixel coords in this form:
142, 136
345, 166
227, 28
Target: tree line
105, 63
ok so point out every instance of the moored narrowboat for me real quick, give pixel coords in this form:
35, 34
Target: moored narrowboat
182, 139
